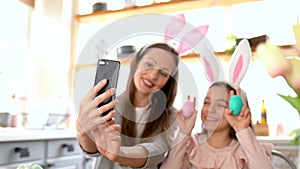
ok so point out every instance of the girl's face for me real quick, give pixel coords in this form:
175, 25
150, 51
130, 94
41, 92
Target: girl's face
214, 106
154, 70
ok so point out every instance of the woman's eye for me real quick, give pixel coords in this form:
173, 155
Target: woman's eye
164, 73
148, 64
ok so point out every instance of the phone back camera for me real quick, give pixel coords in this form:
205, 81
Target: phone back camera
102, 62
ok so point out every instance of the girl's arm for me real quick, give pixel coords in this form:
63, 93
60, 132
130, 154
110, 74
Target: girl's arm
176, 155
257, 157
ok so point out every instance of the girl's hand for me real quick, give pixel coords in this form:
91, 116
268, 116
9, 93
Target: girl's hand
186, 125
242, 120
108, 140
89, 116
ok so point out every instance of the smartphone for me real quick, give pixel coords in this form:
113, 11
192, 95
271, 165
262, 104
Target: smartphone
107, 69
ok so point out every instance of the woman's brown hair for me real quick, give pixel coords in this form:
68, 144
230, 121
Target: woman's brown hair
158, 121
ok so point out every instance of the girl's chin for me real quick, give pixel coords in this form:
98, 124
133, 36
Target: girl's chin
210, 127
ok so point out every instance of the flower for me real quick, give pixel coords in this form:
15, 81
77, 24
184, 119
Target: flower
277, 64
29, 166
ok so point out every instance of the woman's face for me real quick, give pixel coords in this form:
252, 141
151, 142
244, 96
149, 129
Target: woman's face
154, 70
214, 106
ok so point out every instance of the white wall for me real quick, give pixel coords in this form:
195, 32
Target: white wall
243, 22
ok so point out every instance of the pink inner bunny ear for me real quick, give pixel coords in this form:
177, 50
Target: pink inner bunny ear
209, 71
211, 63
192, 38
239, 62
238, 68
174, 27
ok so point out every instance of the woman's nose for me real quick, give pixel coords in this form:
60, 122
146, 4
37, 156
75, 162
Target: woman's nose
154, 72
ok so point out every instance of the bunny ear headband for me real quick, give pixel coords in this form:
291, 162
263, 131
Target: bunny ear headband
238, 65
190, 39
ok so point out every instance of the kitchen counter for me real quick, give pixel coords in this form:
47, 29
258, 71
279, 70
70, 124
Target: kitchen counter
17, 134
276, 140
21, 134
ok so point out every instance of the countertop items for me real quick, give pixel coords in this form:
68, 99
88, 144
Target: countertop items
5, 119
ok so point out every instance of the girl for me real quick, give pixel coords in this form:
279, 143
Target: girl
228, 140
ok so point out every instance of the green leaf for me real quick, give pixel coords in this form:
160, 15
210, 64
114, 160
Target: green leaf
296, 134
294, 101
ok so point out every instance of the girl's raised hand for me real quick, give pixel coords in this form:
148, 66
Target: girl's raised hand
186, 124
243, 119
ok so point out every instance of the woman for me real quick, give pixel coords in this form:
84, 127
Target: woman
144, 112
228, 140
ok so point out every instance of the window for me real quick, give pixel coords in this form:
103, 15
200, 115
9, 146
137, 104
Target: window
13, 49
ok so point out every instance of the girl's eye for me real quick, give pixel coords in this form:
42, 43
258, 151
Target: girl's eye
206, 102
221, 105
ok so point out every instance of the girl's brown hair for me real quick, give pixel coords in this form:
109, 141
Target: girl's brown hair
232, 133
161, 109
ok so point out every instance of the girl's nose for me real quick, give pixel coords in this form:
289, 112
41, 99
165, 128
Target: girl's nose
211, 110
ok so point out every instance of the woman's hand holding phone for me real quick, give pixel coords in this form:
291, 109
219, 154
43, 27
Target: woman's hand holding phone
108, 70
90, 115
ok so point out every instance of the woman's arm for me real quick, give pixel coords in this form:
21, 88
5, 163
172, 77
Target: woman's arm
135, 156
144, 155
89, 116
85, 141
109, 144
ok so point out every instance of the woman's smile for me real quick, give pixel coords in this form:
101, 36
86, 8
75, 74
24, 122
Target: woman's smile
147, 83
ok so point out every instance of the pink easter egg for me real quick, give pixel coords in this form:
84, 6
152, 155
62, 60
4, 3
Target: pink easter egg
187, 109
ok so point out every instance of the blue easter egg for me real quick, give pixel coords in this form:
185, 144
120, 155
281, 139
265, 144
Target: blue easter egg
235, 104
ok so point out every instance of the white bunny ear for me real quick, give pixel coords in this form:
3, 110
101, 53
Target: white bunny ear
211, 63
174, 27
239, 62
192, 38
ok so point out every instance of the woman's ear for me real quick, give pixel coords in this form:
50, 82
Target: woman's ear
239, 62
